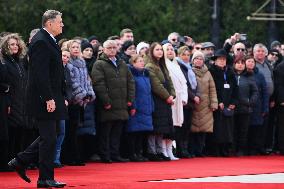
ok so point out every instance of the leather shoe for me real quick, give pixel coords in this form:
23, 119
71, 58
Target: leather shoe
119, 159
50, 183
20, 170
106, 160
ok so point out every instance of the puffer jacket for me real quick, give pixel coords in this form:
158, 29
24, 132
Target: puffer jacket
81, 82
202, 118
247, 92
142, 120
114, 85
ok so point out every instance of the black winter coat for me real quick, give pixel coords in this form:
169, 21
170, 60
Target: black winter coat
46, 79
221, 77
224, 125
247, 92
4, 89
17, 80
279, 85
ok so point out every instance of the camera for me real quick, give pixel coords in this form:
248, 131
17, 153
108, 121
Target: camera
182, 39
243, 37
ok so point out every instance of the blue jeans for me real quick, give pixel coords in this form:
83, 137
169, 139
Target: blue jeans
59, 141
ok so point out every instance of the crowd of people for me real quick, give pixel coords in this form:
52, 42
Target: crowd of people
158, 101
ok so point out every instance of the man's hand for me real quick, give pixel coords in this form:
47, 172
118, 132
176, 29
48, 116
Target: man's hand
66, 103
213, 109
50, 105
221, 106
129, 104
107, 107
196, 100
132, 112
282, 104
170, 100
272, 104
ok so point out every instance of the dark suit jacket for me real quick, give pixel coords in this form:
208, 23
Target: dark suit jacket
46, 78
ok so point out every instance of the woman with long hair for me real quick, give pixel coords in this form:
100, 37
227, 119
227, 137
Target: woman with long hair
163, 95
13, 52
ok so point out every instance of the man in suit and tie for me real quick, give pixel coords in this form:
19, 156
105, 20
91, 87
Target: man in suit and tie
46, 102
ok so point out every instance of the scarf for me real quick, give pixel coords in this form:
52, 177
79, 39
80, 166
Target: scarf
190, 74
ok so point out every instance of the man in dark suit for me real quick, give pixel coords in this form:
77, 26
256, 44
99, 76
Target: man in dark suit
46, 102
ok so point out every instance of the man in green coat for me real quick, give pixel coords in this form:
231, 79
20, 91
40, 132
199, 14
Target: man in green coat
115, 89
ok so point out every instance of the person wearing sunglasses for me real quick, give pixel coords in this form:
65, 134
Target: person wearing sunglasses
173, 39
273, 57
239, 50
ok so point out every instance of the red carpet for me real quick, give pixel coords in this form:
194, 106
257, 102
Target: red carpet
135, 175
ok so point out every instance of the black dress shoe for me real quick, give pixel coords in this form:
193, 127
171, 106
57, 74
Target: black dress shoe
15, 165
119, 159
105, 160
154, 157
49, 184
58, 165
76, 163
163, 157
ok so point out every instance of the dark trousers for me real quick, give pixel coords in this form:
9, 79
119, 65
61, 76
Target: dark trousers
15, 140
71, 146
280, 131
241, 131
110, 133
270, 124
135, 143
4, 159
256, 139
182, 133
197, 143
42, 150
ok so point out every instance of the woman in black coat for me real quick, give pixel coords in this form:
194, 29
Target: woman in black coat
226, 87
247, 97
13, 51
4, 138
260, 109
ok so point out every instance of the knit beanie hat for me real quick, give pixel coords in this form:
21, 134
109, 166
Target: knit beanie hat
93, 37
141, 45
126, 44
274, 44
85, 44
197, 54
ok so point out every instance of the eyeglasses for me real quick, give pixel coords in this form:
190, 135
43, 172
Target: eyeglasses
240, 49
199, 48
274, 54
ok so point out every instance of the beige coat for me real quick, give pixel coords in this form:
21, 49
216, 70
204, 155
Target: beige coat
202, 118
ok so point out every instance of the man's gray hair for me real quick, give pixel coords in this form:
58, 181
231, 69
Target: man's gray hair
49, 15
173, 34
260, 46
109, 42
33, 32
